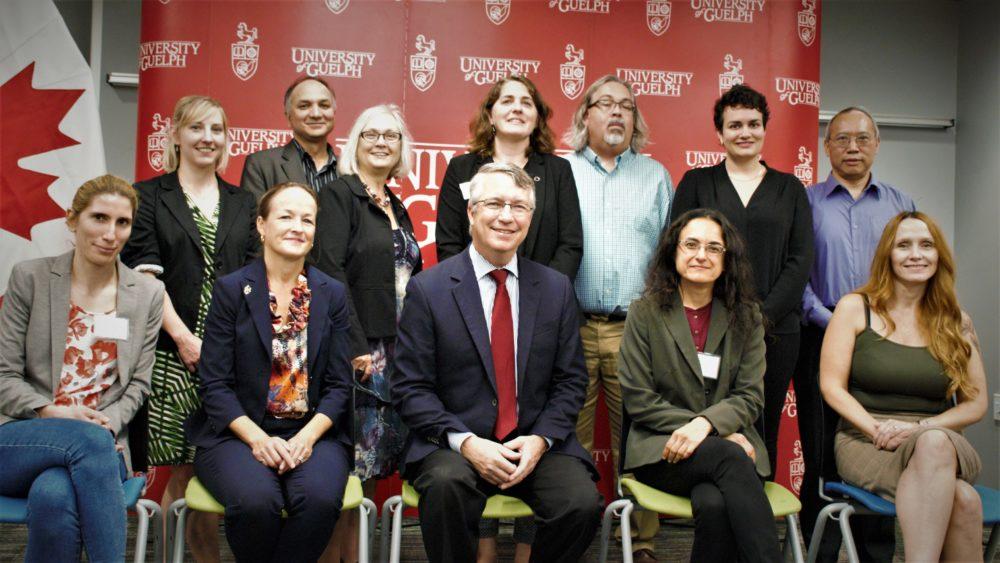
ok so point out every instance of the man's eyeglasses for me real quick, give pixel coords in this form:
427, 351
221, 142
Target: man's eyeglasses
495, 206
844, 141
372, 136
606, 104
691, 246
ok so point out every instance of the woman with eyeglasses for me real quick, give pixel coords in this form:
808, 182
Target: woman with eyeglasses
691, 368
771, 212
365, 239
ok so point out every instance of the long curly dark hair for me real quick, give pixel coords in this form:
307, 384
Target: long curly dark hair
735, 287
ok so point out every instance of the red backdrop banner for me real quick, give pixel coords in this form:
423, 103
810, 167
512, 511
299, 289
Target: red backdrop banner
436, 59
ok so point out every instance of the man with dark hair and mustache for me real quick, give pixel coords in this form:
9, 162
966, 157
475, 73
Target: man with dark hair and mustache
624, 203
308, 158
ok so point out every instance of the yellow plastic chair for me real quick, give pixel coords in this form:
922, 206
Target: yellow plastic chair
783, 504
196, 497
497, 506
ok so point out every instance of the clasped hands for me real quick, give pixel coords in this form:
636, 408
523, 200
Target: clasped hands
495, 462
890, 433
79, 412
686, 439
280, 454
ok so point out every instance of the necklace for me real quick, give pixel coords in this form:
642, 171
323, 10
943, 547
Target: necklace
380, 200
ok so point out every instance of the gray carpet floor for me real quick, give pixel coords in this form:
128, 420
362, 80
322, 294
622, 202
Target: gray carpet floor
673, 544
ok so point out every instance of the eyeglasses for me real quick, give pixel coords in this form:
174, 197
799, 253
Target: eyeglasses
606, 104
372, 136
495, 206
691, 246
844, 141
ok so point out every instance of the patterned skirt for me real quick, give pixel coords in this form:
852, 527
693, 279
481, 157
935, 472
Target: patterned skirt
174, 396
379, 433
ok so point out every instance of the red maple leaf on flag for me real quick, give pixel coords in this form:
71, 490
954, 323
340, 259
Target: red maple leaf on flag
29, 125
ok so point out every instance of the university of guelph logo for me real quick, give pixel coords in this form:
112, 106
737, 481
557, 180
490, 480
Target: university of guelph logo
731, 77
572, 72
245, 53
497, 10
796, 467
423, 65
337, 6
804, 169
658, 16
807, 22
158, 142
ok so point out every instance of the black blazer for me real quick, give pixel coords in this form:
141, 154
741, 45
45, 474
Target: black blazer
164, 234
235, 365
776, 226
354, 245
555, 236
271, 167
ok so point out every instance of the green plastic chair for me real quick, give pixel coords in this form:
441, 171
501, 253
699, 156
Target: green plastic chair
497, 506
783, 504
197, 497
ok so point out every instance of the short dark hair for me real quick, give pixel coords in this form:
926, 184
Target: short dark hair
740, 96
300, 80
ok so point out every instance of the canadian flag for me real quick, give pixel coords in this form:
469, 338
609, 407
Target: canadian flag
50, 131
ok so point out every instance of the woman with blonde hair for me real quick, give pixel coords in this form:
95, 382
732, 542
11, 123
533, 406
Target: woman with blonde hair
77, 337
901, 365
191, 227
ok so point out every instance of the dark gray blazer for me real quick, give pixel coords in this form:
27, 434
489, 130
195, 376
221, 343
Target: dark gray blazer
266, 168
663, 387
33, 340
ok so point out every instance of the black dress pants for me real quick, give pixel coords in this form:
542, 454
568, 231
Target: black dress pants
254, 495
732, 517
781, 353
560, 491
874, 536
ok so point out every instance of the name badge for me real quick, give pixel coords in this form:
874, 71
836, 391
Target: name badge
709, 365
110, 327
466, 188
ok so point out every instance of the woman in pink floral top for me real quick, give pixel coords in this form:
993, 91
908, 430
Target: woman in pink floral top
68, 391
272, 433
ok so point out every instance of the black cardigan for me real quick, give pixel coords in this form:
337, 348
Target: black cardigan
164, 234
555, 236
776, 226
354, 245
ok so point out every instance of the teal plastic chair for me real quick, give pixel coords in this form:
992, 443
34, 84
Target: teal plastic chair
497, 506
197, 497
15, 511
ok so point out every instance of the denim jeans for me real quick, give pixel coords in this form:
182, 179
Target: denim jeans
72, 477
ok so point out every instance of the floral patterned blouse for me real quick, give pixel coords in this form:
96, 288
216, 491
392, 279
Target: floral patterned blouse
288, 392
90, 364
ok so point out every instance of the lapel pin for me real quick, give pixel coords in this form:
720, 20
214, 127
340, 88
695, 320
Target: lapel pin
246, 289
538, 178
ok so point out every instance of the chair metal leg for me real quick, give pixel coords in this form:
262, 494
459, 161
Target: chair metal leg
363, 520
845, 532
146, 511
386, 533
613, 509
371, 512
626, 520
993, 547
394, 508
179, 509
819, 528
793, 539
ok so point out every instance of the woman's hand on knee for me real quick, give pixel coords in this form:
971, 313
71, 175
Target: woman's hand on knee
272, 451
76, 412
890, 433
741, 441
686, 439
300, 449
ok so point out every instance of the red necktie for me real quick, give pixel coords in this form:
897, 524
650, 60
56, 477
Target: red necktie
502, 344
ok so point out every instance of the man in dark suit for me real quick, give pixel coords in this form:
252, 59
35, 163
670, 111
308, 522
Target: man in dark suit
490, 379
310, 106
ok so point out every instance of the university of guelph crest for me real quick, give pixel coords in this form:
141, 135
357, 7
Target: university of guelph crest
572, 72
157, 143
731, 77
497, 10
658, 16
423, 64
245, 53
337, 6
807, 22
804, 169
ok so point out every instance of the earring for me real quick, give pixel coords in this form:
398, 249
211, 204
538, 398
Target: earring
494, 128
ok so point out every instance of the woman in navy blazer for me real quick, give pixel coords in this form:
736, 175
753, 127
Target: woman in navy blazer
272, 432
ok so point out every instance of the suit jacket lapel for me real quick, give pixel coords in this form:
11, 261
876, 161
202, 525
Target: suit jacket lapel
677, 324
527, 308
60, 284
319, 314
717, 326
255, 292
229, 210
128, 303
535, 168
173, 199
466, 293
291, 163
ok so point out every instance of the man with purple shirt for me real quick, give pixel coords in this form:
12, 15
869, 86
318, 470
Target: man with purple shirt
850, 210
